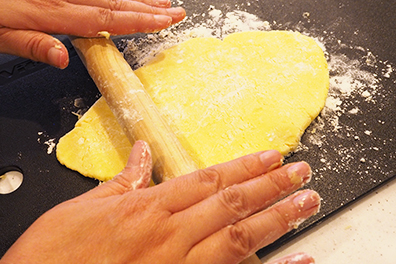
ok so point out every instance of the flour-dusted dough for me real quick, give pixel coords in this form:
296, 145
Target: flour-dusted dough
96, 147
224, 99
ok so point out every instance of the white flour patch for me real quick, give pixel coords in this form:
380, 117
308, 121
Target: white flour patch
51, 145
49, 142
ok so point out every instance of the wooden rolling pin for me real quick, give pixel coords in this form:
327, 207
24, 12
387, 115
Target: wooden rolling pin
135, 110
133, 107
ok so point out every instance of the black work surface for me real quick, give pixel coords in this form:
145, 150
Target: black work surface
37, 101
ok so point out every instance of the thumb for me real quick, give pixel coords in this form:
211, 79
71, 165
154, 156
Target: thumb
136, 175
34, 45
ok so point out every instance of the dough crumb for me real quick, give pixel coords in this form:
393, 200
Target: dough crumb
104, 34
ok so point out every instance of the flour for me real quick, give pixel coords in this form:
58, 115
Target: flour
51, 145
139, 51
48, 142
355, 81
347, 76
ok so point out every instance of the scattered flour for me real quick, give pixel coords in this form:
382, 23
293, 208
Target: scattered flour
139, 51
51, 145
353, 79
49, 142
347, 78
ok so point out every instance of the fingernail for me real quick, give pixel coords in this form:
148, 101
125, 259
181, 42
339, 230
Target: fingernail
175, 11
272, 158
299, 173
164, 3
307, 200
161, 19
56, 57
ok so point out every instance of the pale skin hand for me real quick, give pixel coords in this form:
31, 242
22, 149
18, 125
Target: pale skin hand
296, 258
218, 215
25, 24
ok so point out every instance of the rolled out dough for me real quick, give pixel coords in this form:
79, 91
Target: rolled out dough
252, 91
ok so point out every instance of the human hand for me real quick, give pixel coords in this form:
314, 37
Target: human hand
221, 214
296, 258
24, 24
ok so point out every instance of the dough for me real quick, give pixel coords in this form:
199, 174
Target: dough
96, 147
252, 91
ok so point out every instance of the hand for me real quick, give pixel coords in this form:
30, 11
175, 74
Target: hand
296, 258
24, 23
221, 214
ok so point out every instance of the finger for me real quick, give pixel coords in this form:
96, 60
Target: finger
125, 5
89, 20
238, 241
177, 13
295, 258
136, 174
114, 22
242, 200
199, 185
160, 3
34, 45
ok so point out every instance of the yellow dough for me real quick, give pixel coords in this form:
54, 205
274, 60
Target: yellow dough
252, 91
96, 147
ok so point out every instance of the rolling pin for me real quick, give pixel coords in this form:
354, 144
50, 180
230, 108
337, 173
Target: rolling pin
135, 110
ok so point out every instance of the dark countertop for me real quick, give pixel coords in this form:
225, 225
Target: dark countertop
37, 101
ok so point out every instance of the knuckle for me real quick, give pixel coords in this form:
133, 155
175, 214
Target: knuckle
47, 4
275, 184
250, 165
241, 241
116, 5
33, 47
234, 200
212, 178
281, 221
276, 181
145, 24
105, 17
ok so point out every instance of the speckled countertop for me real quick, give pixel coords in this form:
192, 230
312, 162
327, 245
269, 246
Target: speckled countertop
364, 232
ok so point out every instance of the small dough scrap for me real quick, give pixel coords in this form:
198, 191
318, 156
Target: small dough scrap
105, 34
96, 147
250, 92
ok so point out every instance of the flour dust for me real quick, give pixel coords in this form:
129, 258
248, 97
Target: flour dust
352, 80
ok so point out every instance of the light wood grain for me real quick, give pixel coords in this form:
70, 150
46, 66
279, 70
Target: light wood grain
133, 107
